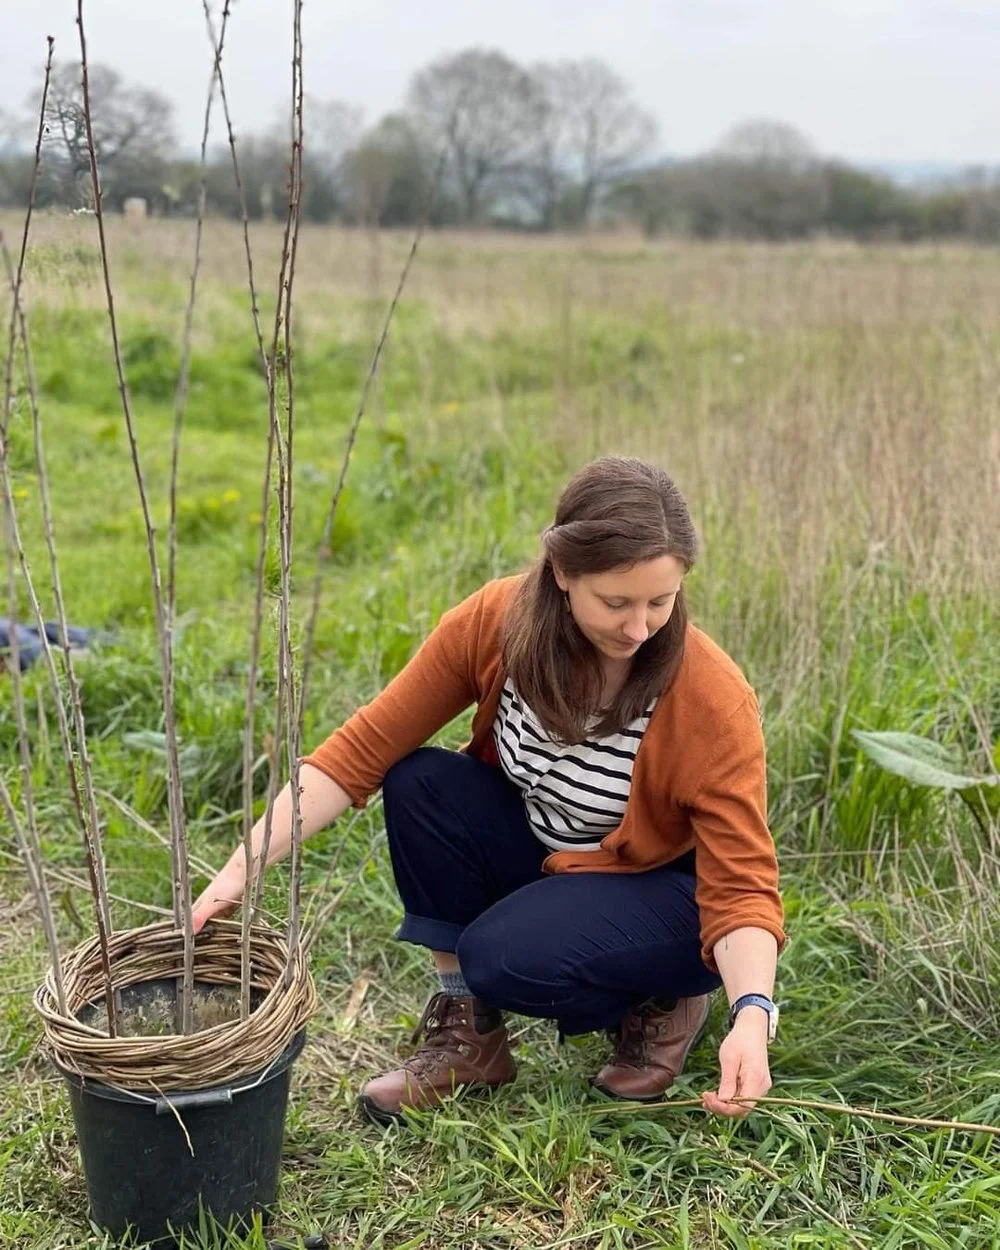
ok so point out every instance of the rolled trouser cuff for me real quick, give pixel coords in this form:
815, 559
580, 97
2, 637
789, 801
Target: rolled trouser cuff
436, 935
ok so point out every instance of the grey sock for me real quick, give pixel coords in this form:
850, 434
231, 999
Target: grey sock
454, 983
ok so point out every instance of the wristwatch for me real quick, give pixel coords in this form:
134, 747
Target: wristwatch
756, 1000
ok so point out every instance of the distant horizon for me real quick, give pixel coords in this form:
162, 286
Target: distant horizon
866, 81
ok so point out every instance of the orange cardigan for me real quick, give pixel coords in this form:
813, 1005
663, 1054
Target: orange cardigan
699, 777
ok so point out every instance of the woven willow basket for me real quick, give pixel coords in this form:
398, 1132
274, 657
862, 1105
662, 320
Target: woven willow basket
215, 1055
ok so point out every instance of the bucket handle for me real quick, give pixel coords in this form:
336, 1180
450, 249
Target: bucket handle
197, 1098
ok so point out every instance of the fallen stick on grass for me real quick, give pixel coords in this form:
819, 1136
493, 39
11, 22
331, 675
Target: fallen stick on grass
837, 1108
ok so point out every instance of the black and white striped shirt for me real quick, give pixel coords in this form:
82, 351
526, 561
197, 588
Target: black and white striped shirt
574, 795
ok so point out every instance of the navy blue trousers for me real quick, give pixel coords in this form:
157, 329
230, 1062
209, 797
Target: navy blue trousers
580, 948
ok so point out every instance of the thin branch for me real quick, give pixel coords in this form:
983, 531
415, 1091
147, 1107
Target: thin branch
331, 867
755, 1165
194, 860
182, 884
830, 1108
68, 878
273, 757
324, 547
244, 217
8, 380
323, 553
90, 831
292, 709
28, 842
31, 855
313, 930
250, 913
254, 880
75, 700
180, 403
285, 680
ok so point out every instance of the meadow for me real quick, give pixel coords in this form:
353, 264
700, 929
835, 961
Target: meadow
832, 414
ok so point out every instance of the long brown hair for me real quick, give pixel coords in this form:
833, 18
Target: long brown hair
615, 513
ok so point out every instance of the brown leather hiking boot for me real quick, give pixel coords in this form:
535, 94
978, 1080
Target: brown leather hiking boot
651, 1045
465, 1043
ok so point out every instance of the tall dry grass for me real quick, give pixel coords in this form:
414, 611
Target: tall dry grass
821, 404
832, 414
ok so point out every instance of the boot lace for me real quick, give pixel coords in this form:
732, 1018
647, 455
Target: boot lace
633, 1036
442, 1015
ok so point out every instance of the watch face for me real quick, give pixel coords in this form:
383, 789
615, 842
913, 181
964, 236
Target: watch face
772, 1023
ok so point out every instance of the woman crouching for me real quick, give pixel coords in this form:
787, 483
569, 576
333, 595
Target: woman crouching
598, 854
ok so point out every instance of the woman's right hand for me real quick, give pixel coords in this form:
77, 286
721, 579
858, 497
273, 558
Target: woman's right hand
322, 802
223, 894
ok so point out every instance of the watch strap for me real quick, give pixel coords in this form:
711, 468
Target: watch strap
755, 1000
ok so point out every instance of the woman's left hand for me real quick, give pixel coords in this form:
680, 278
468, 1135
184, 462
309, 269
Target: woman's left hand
744, 1067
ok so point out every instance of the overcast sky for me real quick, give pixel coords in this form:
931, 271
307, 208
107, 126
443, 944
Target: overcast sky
869, 80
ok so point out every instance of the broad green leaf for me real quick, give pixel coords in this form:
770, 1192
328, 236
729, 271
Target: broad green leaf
145, 740
919, 760
190, 758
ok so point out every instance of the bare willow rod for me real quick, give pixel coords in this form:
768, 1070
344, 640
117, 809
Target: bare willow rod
180, 403
249, 912
8, 378
29, 842
31, 856
324, 546
755, 1165
287, 533
89, 823
831, 1108
286, 676
182, 884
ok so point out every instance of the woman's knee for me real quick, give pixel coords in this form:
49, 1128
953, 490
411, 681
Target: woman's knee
409, 773
424, 797
506, 972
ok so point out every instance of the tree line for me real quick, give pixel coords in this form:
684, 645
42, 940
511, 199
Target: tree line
481, 140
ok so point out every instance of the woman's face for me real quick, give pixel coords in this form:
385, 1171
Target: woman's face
618, 610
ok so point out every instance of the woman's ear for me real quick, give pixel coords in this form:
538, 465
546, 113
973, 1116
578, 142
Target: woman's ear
561, 580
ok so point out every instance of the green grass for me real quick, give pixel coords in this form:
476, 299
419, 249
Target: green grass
836, 455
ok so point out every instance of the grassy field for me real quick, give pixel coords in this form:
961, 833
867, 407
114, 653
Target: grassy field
833, 417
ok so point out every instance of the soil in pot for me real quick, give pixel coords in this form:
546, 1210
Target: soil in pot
153, 1013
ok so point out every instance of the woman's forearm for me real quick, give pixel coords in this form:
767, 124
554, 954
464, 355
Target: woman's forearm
321, 801
747, 959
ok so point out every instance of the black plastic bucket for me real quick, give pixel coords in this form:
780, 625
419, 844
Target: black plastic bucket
142, 1177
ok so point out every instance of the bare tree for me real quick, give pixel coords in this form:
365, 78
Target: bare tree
388, 175
484, 112
760, 141
334, 128
133, 130
767, 181
264, 169
12, 133
593, 133
761, 181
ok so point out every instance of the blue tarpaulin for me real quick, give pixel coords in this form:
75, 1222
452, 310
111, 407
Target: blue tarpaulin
29, 640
